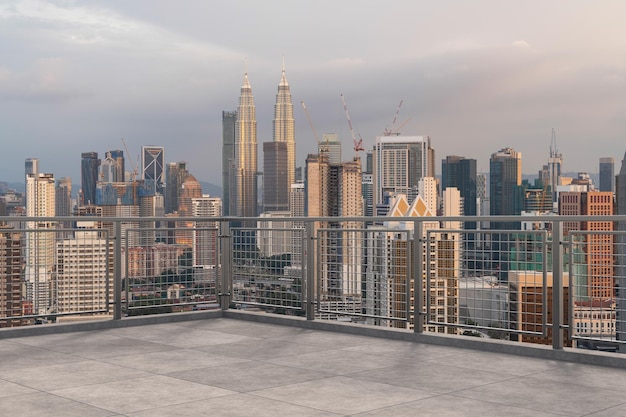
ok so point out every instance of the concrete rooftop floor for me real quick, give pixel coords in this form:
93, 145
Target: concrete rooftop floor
232, 367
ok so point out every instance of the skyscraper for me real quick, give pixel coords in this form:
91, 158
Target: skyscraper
607, 175
175, 174
505, 178
114, 162
284, 129
505, 198
153, 166
246, 189
229, 120
399, 163
460, 173
89, 167
275, 176
63, 199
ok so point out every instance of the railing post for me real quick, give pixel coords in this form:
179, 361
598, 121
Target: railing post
557, 285
227, 266
310, 271
418, 276
117, 270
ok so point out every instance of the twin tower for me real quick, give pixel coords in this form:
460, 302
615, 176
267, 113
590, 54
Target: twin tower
239, 155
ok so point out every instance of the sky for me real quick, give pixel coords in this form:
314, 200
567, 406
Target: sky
479, 76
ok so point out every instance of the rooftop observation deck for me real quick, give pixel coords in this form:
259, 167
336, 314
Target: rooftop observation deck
233, 363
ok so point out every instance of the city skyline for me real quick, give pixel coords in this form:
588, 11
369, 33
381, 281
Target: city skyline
474, 77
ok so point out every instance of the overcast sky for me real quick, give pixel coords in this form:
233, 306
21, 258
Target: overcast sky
476, 76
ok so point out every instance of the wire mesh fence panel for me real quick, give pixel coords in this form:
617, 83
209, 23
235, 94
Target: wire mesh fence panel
596, 278
48, 273
171, 269
487, 283
363, 274
267, 267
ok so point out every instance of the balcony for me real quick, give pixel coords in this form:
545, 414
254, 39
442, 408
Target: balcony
340, 327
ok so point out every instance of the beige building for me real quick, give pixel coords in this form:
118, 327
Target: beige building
389, 251
84, 273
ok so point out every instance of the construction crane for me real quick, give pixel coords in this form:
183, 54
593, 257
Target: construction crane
133, 174
358, 144
320, 147
387, 132
391, 130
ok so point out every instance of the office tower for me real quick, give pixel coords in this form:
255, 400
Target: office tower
331, 145
112, 168
607, 176
84, 274
555, 165
176, 173
245, 196
229, 121
505, 199
153, 167
205, 233
284, 131
10, 275
275, 178
40, 239
63, 199
89, 168
598, 281
460, 173
399, 163
505, 179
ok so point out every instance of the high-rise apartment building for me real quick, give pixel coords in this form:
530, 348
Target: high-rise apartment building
84, 272
229, 120
607, 174
205, 235
284, 130
153, 166
335, 190
40, 239
275, 176
10, 276
89, 169
245, 168
598, 281
399, 163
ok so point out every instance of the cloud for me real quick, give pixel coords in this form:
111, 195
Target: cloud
521, 44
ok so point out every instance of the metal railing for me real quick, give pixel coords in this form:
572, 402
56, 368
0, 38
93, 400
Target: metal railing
554, 280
